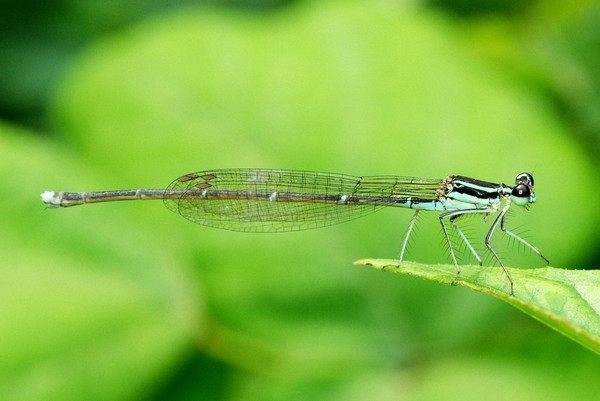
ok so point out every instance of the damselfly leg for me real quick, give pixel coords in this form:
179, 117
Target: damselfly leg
464, 238
453, 215
408, 232
515, 236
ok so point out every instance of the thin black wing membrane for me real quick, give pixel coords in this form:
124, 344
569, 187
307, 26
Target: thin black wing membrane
257, 200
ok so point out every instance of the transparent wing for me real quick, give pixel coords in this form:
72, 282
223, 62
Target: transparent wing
257, 200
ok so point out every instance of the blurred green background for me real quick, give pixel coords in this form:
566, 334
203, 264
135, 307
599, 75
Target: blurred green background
127, 301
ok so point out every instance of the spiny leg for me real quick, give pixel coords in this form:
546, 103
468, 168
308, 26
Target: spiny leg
405, 242
453, 215
533, 248
410, 227
453, 222
442, 217
500, 218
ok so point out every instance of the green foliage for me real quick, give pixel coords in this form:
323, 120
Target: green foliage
566, 300
127, 301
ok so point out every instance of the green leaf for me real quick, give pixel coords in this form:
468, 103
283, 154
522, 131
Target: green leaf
566, 300
112, 301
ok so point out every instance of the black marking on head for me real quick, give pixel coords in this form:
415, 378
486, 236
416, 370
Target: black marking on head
521, 191
524, 178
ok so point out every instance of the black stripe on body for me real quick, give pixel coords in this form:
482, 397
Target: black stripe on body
480, 189
475, 181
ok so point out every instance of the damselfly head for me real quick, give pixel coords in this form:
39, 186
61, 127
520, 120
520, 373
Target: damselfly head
522, 194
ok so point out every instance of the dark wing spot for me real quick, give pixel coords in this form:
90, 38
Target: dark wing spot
187, 177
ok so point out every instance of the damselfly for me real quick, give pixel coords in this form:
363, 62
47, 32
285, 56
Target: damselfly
261, 200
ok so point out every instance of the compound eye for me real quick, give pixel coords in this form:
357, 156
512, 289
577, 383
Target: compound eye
524, 178
521, 191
